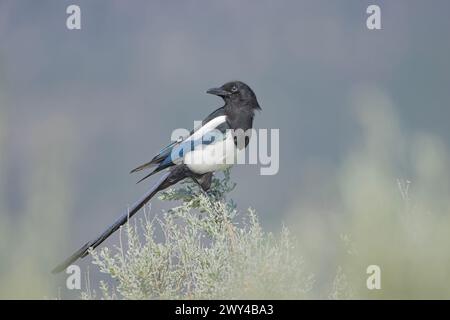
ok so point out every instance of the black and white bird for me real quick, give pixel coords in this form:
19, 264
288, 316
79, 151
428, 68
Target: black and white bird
211, 147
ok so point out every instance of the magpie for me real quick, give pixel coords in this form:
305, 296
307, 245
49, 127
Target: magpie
209, 148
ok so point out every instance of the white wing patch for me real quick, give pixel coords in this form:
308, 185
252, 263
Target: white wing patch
218, 155
209, 126
205, 132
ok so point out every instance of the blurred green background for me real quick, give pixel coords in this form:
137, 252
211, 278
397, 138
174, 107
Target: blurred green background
363, 118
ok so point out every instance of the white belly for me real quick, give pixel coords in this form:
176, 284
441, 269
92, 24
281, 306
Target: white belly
217, 156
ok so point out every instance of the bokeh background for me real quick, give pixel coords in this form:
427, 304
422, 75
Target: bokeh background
363, 118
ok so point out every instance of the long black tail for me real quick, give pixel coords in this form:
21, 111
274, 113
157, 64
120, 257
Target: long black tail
169, 178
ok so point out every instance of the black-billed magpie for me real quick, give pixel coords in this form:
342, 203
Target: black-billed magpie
209, 148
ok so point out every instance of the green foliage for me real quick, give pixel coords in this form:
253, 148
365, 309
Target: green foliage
204, 253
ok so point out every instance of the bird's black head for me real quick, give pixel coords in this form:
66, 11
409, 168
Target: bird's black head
236, 92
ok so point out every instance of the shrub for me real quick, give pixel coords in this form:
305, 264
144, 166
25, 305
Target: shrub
204, 253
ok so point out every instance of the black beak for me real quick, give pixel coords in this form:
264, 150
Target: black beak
218, 92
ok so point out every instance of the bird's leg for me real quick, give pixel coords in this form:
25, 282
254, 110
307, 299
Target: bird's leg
204, 182
201, 187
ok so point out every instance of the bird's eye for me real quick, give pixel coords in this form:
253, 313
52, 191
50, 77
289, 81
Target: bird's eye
234, 89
